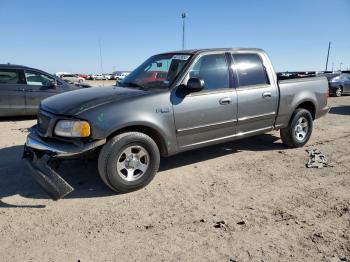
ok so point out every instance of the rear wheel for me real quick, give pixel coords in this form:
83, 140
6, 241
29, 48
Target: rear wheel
299, 129
128, 161
339, 91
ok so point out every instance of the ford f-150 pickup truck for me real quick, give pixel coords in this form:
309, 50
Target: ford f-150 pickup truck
206, 97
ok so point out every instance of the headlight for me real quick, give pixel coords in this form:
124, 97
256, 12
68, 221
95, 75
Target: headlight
72, 128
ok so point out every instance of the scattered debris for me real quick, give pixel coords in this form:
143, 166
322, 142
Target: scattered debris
316, 159
203, 220
241, 222
282, 216
148, 227
221, 224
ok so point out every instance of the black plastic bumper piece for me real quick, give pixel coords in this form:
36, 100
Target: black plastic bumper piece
43, 172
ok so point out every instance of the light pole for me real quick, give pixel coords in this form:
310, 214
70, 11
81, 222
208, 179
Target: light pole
101, 62
329, 47
183, 16
341, 63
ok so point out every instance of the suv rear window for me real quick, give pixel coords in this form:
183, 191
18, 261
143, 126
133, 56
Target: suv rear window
250, 70
10, 76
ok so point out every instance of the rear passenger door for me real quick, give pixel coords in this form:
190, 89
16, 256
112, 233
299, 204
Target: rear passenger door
257, 95
39, 87
12, 95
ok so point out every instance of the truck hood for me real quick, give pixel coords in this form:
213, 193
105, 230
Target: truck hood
75, 102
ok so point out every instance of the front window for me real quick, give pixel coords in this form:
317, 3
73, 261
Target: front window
38, 79
213, 70
158, 72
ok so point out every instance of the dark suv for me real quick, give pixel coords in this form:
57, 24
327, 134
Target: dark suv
22, 89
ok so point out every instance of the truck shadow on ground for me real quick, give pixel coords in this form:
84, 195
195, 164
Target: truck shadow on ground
340, 110
15, 178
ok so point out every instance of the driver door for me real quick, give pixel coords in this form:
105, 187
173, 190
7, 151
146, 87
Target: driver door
209, 115
39, 86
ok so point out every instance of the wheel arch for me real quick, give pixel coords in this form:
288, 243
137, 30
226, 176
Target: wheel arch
147, 130
309, 106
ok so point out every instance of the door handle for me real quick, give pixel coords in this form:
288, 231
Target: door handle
267, 95
225, 101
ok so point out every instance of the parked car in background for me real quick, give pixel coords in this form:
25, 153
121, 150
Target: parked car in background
201, 102
84, 76
72, 78
99, 77
151, 76
91, 77
115, 75
107, 76
23, 88
123, 75
119, 75
339, 84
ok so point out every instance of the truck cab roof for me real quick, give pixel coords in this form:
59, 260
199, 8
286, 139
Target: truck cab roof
204, 50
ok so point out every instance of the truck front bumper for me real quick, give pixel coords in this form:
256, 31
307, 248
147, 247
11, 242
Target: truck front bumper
43, 158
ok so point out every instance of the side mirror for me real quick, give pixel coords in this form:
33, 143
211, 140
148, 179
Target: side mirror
52, 84
195, 85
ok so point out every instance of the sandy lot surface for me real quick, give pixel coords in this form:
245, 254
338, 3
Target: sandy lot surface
249, 200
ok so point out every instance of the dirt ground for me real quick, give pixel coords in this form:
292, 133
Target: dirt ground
249, 200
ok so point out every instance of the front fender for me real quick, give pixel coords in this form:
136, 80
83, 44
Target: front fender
153, 112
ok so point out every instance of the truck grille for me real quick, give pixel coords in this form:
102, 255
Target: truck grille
43, 123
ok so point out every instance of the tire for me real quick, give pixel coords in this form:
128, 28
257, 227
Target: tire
80, 81
292, 135
338, 91
113, 157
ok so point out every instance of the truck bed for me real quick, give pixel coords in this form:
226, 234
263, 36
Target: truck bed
312, 91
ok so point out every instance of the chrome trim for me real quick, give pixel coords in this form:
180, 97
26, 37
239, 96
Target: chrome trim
261, 130
59, 149
181, 130
246, 118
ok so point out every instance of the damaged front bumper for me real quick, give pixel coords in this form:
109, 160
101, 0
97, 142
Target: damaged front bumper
43, 158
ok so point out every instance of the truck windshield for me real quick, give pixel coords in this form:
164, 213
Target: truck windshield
157, 72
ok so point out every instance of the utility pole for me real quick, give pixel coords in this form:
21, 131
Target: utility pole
341, 63
183, 16
329, 47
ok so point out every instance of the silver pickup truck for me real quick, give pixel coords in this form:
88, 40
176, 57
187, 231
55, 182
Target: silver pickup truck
173, 102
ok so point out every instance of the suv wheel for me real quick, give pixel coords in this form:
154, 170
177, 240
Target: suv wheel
128, 161
338, 91
299, 129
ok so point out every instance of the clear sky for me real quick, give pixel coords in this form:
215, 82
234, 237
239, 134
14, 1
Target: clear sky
64, 35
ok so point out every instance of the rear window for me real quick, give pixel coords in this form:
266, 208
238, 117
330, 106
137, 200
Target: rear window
250, 70
10, 76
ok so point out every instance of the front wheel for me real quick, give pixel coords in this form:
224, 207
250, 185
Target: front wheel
128, 161
299, 129
339, 91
